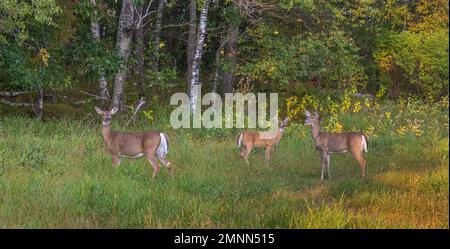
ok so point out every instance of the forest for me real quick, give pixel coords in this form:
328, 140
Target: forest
379, 67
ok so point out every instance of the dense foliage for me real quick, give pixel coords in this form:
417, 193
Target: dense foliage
28, 49
300, 45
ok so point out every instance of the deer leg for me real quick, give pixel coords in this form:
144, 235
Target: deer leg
243, 151
167, 164
328, 166
363, 166
323, 162
154, 164
268, 153
248, 149
115, 160
357, 154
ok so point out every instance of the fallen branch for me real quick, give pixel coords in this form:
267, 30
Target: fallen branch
82, 101
12, 94
16, 104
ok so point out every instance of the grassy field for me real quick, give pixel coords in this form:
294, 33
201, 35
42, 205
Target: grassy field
57, 174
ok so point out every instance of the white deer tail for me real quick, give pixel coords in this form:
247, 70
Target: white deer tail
163, 147
364, 143
239, 139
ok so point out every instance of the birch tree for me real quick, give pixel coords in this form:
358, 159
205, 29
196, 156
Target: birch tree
195, 70
191, 41
95, 31
123, 45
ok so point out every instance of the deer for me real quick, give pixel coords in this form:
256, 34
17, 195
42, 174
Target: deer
329, 143
149, 144
252, 139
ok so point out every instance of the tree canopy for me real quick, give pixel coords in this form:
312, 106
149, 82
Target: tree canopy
401, 45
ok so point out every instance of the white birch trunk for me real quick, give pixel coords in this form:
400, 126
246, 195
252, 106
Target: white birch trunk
95, 31
197, 56
123, 45
191, 41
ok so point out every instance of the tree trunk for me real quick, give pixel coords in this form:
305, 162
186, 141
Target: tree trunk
195, 71
95, 30
230, 58
157, 35
218, 70
191, 41
39, 104
139, 53
123, 44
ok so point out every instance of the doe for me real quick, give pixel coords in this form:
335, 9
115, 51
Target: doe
149, 144
328, 143
252, 139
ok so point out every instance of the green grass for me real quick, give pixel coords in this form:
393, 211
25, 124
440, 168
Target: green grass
57, 174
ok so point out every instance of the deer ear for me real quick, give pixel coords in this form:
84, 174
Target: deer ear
316, 114
286, 120
98, 110
307, 113
114, 110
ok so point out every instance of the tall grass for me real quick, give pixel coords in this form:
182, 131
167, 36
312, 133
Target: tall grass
57, 174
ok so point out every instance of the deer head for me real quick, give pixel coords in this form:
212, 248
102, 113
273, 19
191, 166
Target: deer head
311, 120
106, 116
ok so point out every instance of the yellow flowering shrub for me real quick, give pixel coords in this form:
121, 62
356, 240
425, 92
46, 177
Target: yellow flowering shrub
357, 107
44, 56
367, 103
444, 102
402, 130
388, 115
373, 116
370, 131
148, 115
415, 127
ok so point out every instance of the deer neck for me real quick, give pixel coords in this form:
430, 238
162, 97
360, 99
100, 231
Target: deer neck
315, 132
106, 133
279, 135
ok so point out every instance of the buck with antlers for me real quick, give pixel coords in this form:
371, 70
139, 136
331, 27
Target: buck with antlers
328, 143
252, 139
150, 144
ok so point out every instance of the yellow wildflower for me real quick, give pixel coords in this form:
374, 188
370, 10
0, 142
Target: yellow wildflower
44, 55
414, 127
148, 115
367, 103
357, 107
370, 131
337, 127
388, 115
401, 130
